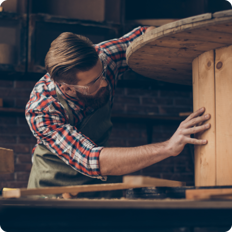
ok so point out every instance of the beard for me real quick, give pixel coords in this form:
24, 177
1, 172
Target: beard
96, 101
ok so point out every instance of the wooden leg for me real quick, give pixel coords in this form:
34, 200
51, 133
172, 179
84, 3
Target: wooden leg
223, 73
204, 95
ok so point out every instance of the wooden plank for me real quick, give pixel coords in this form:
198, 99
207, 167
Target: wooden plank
189, 20
223, 73
129, 182
6, 161
172, 52
196, 106
203, 194
156, 57
185, 114
221, 14
224, 28
227, 196
187, 43
201, 34
16, 193
166, 67
146, 180
151, 22
205, 172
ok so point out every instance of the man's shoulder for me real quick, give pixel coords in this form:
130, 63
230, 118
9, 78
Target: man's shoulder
42, 95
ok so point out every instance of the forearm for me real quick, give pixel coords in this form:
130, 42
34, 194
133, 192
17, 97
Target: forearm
121, 161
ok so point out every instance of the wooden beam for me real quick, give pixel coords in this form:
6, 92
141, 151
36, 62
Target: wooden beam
204, 194
204, 96
146, 180
223, 71
16, 193
6, 161
128, 182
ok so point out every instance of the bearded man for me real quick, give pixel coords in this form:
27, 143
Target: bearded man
69, 114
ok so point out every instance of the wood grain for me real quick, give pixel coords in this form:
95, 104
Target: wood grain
6, 161
221, 14
196, 106
180, 42
223, 73
205, 156
203, 194
128, 182
151, 22
145, 180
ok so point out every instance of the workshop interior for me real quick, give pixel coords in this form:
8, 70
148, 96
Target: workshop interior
182, 64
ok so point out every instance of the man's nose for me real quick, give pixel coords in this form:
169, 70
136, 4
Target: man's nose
104, 83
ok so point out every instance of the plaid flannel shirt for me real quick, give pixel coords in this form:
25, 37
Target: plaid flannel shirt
48, 119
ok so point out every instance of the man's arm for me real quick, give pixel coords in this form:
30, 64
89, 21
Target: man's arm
120, 161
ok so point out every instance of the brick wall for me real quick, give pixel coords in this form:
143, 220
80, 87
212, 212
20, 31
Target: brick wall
15, 133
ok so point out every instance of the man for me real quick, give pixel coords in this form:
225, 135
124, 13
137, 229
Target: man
69, 114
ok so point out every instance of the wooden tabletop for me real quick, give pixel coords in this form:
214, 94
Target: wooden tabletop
123, 203
166, 53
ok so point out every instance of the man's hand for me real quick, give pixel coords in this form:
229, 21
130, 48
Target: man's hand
149, 29
190, 125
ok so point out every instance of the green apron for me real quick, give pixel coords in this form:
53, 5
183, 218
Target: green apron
49, 170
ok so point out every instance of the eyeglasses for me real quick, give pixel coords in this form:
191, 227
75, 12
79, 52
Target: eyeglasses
92, 87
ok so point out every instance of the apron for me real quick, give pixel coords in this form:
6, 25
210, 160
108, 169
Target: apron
49, 170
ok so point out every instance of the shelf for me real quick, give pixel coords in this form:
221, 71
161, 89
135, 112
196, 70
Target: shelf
11, 110
9, 15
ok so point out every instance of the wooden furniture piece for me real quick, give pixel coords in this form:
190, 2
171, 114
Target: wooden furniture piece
128, 182
6, 161
197, 51
204, 194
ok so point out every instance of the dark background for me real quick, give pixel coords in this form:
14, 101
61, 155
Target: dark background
144, 110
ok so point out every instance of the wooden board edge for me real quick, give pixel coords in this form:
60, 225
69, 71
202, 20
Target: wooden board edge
224, 13
205, 194
151, 181
16, 193
161, 32
11, 193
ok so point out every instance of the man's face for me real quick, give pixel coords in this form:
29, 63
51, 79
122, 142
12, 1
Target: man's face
91, 88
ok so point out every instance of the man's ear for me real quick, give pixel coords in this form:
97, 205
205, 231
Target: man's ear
64, 88
67, 89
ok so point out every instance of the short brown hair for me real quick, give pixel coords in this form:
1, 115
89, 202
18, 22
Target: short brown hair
68, 53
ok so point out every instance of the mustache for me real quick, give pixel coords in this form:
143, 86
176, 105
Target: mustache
98, 100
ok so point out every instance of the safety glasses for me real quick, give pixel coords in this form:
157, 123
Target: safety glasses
91, 87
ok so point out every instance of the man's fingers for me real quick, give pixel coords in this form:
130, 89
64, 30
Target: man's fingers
196, 141
197, 121
69, 195
197, 129
66, 196
195, 114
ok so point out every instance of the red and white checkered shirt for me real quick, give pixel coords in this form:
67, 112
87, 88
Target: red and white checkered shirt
48, 120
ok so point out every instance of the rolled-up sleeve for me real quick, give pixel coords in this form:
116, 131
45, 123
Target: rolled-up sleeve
116, 48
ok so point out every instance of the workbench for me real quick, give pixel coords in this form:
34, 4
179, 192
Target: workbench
112, 215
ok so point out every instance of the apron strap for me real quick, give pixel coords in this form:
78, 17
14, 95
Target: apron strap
67, 108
